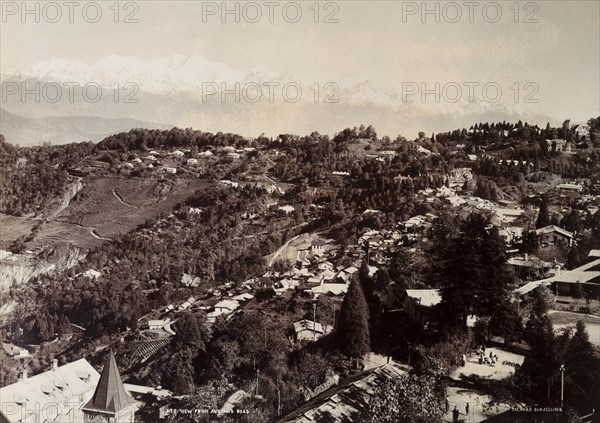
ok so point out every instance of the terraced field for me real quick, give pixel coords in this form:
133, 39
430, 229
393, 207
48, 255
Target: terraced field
12, 227
113, 206
52, 232
104, 209
145, 350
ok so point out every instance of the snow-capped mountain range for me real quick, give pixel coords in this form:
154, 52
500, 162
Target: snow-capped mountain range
171, 92
175, 73
189, 74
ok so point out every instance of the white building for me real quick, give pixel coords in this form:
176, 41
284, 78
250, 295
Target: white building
226, 306
187, 304
157, 324
307, 330
227, 183
317, 248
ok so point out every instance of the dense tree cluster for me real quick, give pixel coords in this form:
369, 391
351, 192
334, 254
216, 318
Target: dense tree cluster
144, 139
248, 351
487, 190
103, 306
548, 352
469, 265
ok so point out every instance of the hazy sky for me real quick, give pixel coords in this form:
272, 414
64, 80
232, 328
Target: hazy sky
375, 40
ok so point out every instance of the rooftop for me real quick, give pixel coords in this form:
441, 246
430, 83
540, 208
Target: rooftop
594, 253
425, 297
305, 324
228, 304
331, 288
110, 395
346, 401
552, 228
56, 391
589, 272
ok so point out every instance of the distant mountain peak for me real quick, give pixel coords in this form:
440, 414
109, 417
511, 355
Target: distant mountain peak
170, 87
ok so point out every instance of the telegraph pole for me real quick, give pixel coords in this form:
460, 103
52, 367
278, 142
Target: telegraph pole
257, 373
562, 385
278, 399
314, 321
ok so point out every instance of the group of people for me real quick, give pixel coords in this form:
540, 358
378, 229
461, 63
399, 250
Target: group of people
484, 359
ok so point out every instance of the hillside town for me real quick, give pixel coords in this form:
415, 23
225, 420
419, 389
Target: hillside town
299, 212
212, 277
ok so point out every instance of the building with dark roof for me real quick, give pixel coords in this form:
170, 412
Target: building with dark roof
110, 402
347, 401
419, 303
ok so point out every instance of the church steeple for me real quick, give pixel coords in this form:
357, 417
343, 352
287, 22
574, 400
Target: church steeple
110, 401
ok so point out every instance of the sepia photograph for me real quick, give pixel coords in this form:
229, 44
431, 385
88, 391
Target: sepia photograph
310, 211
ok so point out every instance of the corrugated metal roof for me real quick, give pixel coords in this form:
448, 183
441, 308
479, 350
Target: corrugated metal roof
552, 228
425, 297
530, 286
346, 401
583, 274
305, 324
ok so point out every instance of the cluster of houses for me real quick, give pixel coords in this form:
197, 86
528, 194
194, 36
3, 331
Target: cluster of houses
315, 270
566, 282
187, 304
154, 159
316, 273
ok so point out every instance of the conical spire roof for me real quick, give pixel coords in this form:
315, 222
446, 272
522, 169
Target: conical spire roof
110, 395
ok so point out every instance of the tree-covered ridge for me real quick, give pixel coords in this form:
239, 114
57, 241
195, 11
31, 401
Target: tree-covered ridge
31, 179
